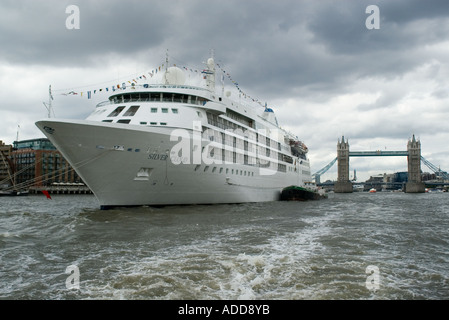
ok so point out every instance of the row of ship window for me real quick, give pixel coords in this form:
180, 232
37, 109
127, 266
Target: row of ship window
221, 170
127, 121
133, 109
281, 168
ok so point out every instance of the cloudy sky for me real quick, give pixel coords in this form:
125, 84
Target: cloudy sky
314, 62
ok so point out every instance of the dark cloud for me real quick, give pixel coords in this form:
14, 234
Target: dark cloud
305, 43
35, 31
340, 25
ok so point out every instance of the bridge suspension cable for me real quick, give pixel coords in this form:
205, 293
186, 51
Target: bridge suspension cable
435, 169
325, 169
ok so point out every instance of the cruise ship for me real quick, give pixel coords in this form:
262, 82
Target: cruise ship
173, 144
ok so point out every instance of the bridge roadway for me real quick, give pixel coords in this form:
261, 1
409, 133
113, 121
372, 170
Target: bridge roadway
378, 153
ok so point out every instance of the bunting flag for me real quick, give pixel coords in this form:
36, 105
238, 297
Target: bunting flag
203, 73
122, 86
237, 86
68, 93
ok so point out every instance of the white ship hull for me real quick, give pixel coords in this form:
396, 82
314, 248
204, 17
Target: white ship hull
127, 165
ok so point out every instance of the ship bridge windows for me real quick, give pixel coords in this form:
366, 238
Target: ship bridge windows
126, 98
175, 97
131, 111
179, 98
167, 97
116, 112
157, 97
144, 97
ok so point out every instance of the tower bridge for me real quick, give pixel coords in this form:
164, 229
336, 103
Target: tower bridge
414, 158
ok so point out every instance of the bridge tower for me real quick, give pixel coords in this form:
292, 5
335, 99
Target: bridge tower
343, 185
414, 184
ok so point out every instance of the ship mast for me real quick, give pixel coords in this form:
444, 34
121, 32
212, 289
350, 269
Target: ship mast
166, 66
210, 73
49, 105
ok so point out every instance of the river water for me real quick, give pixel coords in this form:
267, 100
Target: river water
360, 246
